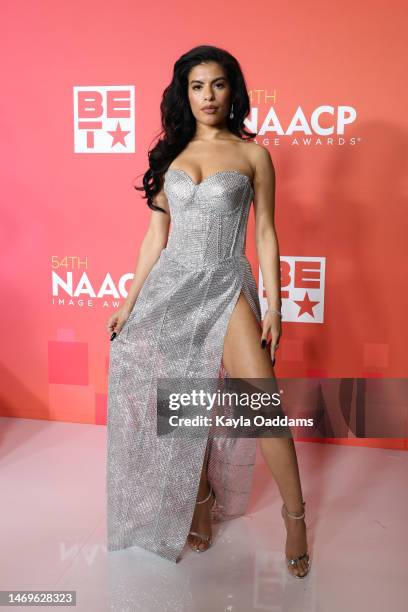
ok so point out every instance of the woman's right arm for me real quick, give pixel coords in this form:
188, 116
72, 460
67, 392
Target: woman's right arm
153, 243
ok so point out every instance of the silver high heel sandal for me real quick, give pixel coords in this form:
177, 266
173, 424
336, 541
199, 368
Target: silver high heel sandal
305, 555
204, 536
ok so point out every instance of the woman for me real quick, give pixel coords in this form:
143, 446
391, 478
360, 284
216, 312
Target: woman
193, 310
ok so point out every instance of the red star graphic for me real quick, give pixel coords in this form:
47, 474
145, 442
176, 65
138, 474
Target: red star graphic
306, 305
118, 135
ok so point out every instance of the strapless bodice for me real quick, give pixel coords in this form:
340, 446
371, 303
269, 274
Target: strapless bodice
208, 219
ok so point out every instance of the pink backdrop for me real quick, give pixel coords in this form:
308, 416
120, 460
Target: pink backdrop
328, 99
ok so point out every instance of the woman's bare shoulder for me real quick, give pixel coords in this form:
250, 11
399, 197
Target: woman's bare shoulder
257, 151
258, 156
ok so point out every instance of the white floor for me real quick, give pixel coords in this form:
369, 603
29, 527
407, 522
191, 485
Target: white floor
53, 533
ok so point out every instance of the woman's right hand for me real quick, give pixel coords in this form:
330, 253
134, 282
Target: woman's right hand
117, 320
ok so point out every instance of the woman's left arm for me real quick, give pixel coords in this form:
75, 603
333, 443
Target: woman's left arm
267, 246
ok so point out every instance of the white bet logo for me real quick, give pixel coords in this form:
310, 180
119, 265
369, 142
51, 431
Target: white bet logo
302, 289
104, 119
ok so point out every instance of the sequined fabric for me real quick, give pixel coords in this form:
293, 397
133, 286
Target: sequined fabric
177, 329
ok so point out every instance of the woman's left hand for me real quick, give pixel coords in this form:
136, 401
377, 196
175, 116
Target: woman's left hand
271, 324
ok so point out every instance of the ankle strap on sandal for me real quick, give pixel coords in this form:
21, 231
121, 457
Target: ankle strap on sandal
207, 498
295, 516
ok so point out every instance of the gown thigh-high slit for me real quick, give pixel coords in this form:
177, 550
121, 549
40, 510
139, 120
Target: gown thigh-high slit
176, 329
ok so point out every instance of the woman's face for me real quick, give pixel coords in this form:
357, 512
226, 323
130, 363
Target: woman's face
208, 86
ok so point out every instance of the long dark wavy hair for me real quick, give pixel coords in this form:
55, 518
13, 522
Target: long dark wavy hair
177, 120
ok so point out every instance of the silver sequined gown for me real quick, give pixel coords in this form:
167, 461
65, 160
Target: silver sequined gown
176, 329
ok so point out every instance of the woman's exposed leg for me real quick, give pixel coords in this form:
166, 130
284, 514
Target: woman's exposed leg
244, 358
201, 522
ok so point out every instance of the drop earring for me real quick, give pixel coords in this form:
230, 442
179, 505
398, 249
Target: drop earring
232, 111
